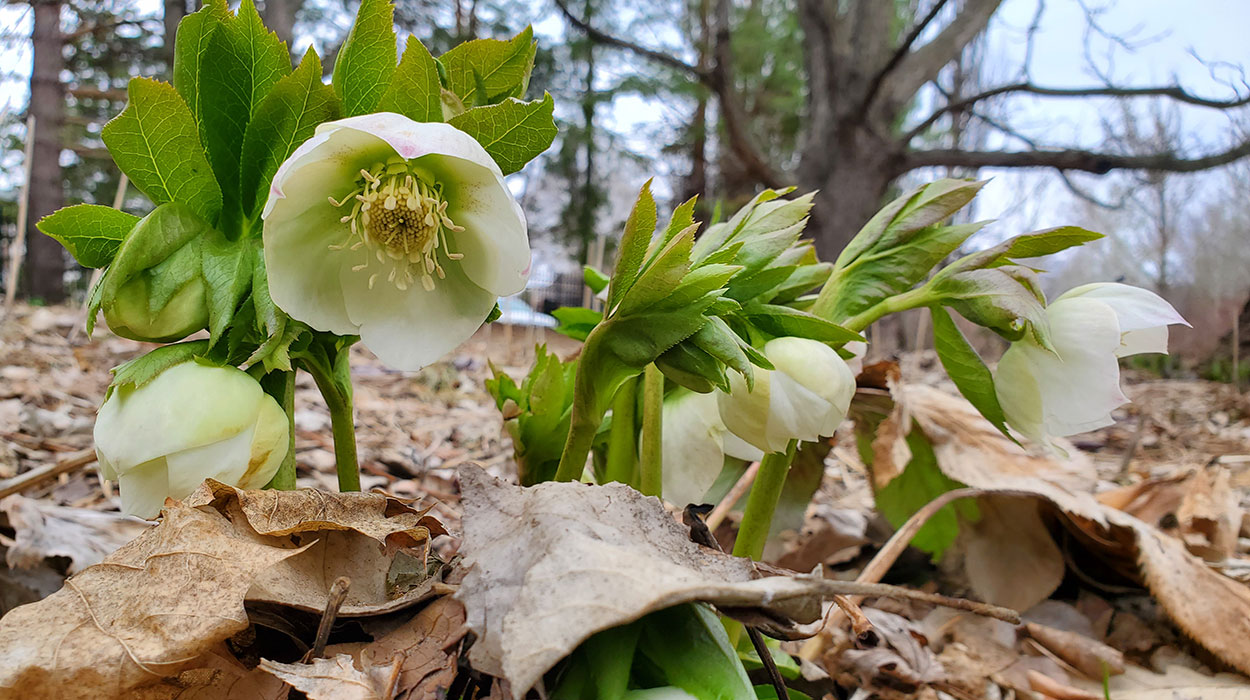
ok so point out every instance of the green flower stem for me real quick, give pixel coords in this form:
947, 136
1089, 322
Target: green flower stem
281, 386
329, 367
623, 436
583, 425
591, 400
758, 517
915, 298
652, 461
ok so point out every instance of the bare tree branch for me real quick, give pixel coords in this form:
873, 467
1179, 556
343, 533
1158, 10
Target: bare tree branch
731, 106
1174, 92
900, 53
1072, 159
601, 37
923, 65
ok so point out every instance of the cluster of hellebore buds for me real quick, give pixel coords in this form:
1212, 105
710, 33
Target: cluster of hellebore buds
379, 214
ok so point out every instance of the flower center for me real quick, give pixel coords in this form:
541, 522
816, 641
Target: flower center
399, 215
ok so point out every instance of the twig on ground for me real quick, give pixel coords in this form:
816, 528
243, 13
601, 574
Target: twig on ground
731, 499
338, 594
38, 475
770, 666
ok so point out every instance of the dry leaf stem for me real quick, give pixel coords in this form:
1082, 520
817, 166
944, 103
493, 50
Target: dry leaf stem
338, 594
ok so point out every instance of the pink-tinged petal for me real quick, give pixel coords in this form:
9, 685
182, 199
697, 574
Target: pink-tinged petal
413, 140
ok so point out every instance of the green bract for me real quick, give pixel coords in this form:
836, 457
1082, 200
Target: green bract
189, 423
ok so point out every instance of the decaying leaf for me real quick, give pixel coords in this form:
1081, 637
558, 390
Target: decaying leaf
427, 644
334, 679
1199, 507
148, 611
216, 676
1211, 608
903, 661
345, 534
1009, 557
83, 536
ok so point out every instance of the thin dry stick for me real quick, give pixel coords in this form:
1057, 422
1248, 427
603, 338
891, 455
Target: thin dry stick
22, 482
17, 249
338, 594
881, 563
718, 514
860, 625
392, 680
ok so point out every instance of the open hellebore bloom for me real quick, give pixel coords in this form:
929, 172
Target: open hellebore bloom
190, 423
694, 443
1075, 388
804, 398
397, 231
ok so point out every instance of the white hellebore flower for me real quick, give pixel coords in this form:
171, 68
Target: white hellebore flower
694, 443
190, 423
1075, 388
804, 398
401, 232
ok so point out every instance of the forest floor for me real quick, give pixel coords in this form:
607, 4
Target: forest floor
1178, 459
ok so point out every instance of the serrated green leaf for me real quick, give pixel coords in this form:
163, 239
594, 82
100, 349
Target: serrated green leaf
156, 143
596, 280
190, 44
366, 60
747, 288
576, 322
662, 276
227, 270
966, 369
285, 118
682, 219
90, 232
922, 207
804, 279
512, 132
1049, 242
693, 367
717, 339
496, 68
993, 298
635, 239
783, 321
696, 284
247, 60
414, 89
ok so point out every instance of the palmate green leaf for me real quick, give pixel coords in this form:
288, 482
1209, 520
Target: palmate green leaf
366, 61
285, 118
414, 90
996, 299
784, 320
576, 322
635, 240
924, 206
90, 232
661, 276
1048, 242
156, 143
227, 269
485, 71
246, 61
965, 367
690, 366
512, 132
190, 45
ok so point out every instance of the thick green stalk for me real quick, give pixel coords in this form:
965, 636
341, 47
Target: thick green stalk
582, 429
765, 492
336, 389
281, 386
900, 302
651, 462
590, 402
622, 458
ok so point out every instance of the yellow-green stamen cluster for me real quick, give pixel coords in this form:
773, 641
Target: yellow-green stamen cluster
399, 215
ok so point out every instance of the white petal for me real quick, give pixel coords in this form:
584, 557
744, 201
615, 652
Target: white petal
691, 445
270, 443
1152, 340
815, 366
1082, 385
1136, 308
412, 139
736, 447
1015, 384
798, 413
304, 272
186, 406
745, 412
412, 328
495, 242
143, 489
858, 350
326, 165
225, 460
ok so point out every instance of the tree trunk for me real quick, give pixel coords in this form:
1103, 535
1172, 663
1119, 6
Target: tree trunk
44, 276
280, 18
175, 10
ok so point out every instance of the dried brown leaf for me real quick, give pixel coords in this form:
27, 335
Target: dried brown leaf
1009, 556
1089, 656
427, 644
83, 536
333, 679
148, 611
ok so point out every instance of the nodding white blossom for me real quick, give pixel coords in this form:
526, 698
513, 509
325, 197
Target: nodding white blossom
804, 398
1075, 388
694, 443
190, 423
401, 232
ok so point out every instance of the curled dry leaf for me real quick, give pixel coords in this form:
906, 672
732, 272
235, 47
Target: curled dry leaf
552, 564
1212, 609
83, 536
148, 611
334, 679
1089, 656
345, 534
427, 645
903, 662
